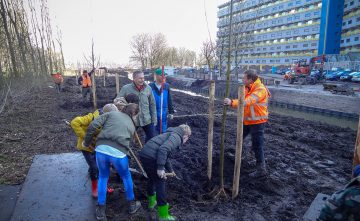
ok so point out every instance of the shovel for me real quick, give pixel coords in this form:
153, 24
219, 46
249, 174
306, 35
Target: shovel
138, 163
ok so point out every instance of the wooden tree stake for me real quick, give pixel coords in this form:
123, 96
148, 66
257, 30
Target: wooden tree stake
239, 141
356, 160
211, 127
94, 89
117, 83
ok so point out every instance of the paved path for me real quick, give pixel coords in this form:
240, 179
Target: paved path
56, 188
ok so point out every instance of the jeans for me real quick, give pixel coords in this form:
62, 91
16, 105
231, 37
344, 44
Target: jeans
85, 91
149, 131
257, 139
91, 161
155, 183
122, 167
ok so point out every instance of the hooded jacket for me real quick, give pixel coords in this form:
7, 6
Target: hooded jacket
80, 124
117, 131
161, 147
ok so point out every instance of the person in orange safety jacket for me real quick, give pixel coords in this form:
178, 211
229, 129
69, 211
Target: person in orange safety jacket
255, 117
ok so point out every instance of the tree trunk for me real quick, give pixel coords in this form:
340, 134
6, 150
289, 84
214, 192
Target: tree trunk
8, 38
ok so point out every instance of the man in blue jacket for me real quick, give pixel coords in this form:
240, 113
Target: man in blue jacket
164, 106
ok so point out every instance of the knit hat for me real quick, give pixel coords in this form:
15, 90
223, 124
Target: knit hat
109, 108
357, 170
120, 103
159, 71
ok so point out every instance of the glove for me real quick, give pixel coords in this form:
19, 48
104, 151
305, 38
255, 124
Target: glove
161, 174
227, 102
170, 116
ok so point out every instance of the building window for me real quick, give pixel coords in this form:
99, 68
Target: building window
272, 48
356, 38
294, 46
264, 61
344, 23
298, 2
348, 40
313, 44
258, 49
358, 19
342, 41
306, 30
264, 49
307, 15
345, 6
287, 60
349, 22
289, 18
290, 4
305, 45
287, 46
351, 3
279, 47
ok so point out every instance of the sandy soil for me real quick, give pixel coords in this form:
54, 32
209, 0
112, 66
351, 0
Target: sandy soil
304, 158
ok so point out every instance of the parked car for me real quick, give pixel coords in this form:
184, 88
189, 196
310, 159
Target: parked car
348, 76
356, 77
336, 76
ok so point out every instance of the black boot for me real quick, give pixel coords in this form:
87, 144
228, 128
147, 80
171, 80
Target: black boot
100, 212
260, 171
134, 206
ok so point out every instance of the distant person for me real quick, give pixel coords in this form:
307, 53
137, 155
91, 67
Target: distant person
112, 146
164, 106
79, 125
155, 157
85, 82
255, 116
58, 80
147, 115
344, 205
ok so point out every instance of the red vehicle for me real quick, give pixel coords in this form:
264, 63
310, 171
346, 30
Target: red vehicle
302, 72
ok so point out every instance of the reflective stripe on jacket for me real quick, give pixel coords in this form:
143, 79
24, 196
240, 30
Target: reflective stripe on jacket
80, 125
256, 103
86, 80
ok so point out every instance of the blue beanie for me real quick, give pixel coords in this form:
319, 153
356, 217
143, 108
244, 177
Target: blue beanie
357, 170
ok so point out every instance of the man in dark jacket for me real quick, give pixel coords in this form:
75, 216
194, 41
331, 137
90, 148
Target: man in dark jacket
161, 92
155, 159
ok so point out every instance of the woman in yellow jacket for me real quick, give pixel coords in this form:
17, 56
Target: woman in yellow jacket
255, 116
80, 125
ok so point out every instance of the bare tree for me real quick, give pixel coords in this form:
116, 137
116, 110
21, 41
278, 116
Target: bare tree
140, 46
208, 52
4, 16
157, 48
92, 60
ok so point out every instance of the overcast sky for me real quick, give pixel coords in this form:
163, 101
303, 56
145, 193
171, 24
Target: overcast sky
112, 23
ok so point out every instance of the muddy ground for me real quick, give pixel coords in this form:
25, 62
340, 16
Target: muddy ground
304, 157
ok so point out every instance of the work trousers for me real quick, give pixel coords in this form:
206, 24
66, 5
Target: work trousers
91, 161
149, 131
155, 183
257, 139
122, 167
85, 91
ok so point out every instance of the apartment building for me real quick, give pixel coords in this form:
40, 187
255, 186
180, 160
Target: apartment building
283, 31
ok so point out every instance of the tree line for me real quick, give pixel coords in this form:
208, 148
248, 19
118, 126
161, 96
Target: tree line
28, 47
150, 51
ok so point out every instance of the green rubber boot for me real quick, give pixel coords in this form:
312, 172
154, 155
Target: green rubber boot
163, 212
152, 202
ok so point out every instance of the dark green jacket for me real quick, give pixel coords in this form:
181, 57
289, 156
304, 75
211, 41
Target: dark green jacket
343, 205
159, 148
117, 130
147, 105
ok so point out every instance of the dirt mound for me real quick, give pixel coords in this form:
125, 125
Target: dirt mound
303, 158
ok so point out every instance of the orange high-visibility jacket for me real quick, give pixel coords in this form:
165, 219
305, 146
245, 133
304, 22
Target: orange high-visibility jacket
256, 103
86, 81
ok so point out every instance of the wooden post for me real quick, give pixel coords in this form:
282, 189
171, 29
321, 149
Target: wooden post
117, 83
94, 89
239, 141
356, 160
104, 77
211, 127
